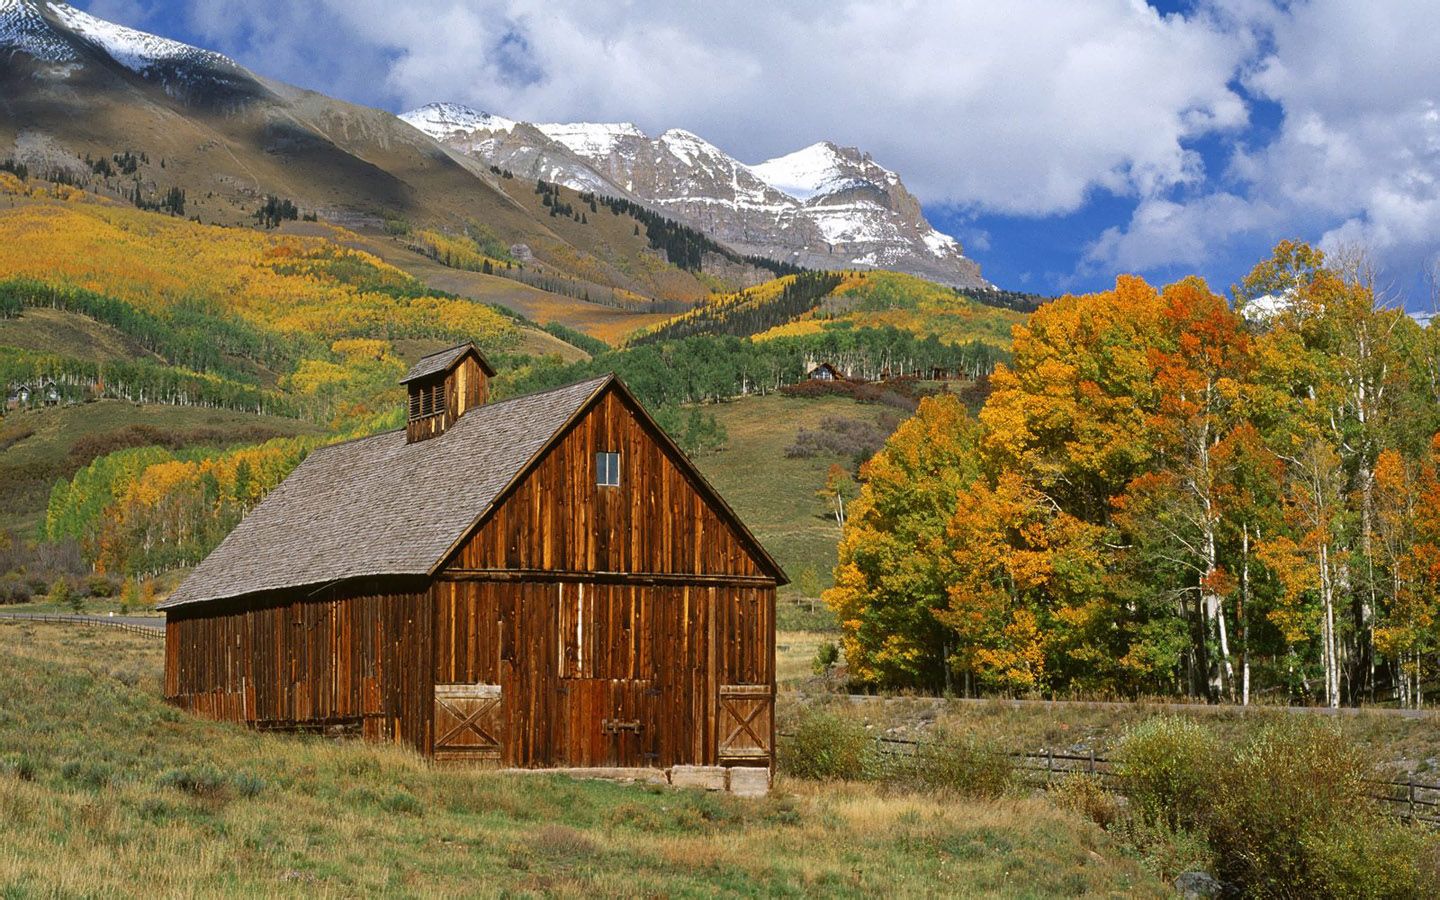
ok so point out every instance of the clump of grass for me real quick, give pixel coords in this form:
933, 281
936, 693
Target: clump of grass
828, 747
18, 765
959, 764
1086, 795
202, 782
402, 801
563, 843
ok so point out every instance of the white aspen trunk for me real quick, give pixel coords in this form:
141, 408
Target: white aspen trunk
1332, 662
1244, 615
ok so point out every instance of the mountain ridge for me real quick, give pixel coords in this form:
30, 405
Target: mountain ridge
823, 206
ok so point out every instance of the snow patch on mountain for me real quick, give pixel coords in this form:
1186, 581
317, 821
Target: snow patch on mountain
817, 169
23, 29
135, 50
940, 244
441, 120
591, 139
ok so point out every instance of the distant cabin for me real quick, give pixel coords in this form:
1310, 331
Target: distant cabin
825, 372
544, 581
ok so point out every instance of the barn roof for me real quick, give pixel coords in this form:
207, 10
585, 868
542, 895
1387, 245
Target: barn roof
443, 361
381, 506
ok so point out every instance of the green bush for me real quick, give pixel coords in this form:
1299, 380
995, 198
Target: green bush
828, 746
20, 766
960, 764
1165, 850
1373, 857
1295, 790
1086, 795
1169, 767
825, 658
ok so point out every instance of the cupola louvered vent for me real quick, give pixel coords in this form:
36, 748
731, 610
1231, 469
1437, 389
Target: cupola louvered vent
441, 387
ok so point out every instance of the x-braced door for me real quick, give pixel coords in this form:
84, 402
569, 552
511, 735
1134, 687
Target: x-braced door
746, 714
469, 723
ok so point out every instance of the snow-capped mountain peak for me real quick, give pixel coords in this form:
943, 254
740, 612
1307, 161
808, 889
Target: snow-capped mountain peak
824, 206
802, 174
137, 51
440, 120
689, 148
821, 168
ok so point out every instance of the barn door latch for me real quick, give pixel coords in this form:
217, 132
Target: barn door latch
618, 726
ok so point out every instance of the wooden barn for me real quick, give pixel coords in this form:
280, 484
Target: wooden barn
541, 582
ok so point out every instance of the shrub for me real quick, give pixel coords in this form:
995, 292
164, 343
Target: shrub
91, 775
960, 764
100, 586
1166, 851
828, 746
1169, 766
826, 657
13, 590
62, 595
202, 782
1297, 789
1085, 794
1373, 857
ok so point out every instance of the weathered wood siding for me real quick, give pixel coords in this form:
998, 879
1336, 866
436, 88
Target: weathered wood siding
357, 658
608, 674
559, 520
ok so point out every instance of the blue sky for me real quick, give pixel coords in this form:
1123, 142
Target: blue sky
1061, 142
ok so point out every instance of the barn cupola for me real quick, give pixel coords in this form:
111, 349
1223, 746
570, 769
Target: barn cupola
442, 386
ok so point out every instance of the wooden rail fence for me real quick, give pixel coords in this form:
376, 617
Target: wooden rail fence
93, 621
1409, 800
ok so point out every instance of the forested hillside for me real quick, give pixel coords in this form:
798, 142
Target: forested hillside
813, 303
1160, 497
192, 316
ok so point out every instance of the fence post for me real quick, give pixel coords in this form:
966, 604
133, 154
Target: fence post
1049, 765
1092, 760
1412, 796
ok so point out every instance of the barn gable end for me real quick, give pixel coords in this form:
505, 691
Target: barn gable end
661, 519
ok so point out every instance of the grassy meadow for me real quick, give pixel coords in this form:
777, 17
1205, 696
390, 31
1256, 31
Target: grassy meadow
775, 494
106, 790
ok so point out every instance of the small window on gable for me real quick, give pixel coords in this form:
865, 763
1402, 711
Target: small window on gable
607, 469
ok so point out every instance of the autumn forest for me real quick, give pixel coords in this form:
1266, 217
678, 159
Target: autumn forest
1166, 495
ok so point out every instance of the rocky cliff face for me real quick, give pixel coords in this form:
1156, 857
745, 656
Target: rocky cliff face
823, 206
